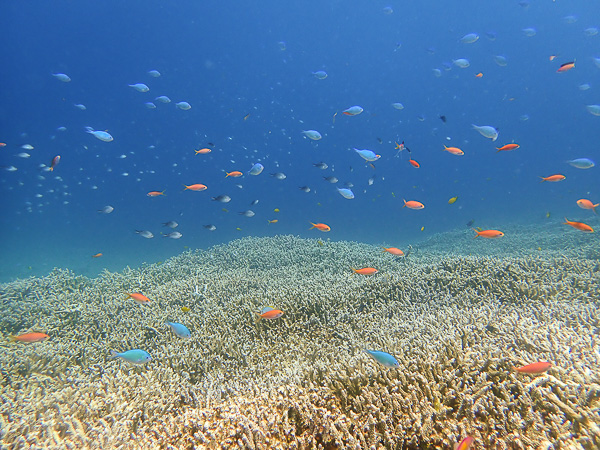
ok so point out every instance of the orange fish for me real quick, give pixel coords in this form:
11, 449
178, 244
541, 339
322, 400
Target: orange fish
414, 163
489, 234
454, 151
394, 251
465, 444
320, 226
246, 116
552, 57
579, 226
195, 187
413, 204
553, 178
566, 66
234, 174
269, 313
203, 151
273, 221
97, 255
507, 147
479, 75
365, 271
54, 162
586, 204
155, 193
140, 298
534, 368
29, 337
2, 144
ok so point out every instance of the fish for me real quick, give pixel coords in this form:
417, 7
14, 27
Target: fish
234, 174
273, 221
210, 227
394, 251
202, 151
453, 151
534, 368
399, 106
54, 162
452, 200
566, 67
304, 188
80, 106
414, 163
507, 147
155, 193
106, 210
320, 226
97, 255
465, 444
276, 210
353, 111
553, 178
268, 313
173, 235
150, 105
154, 73
140, 87
586, 204
529, 32
413, 204
365, 271
320, 74
470, 223
62, 77
321, 165
179, 329
247, 116
463, 63
501, 60
582, 163
163, 99
279, 175
184, 106
136, 356
256, 169
102, 135
222, 198
443, 119
198, 187
138, 297
486, 131
489, 234
469, 38
185, 309
171, 224
23, 155
579, 226
593, 109
145, 234
248, 213
479, 75
346, 193
29, 337
331, 179
383, 358
312, 134
367, 155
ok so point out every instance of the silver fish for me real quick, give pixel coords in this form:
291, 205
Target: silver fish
145, 234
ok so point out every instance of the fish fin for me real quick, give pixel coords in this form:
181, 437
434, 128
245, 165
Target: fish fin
258, 318
477, 235
313, 226
113, 354
542, 179
12, 338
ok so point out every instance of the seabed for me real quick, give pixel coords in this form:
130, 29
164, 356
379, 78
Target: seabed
457, 313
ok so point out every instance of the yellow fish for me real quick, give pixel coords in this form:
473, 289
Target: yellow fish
320, 243
276, 210
422, 228
452, 200
185, 309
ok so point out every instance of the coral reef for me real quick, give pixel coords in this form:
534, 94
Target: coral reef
456, 322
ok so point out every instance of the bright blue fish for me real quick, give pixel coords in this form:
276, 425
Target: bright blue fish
383, 358
257, 169
136, 356
367, 155
179, 330
582, 163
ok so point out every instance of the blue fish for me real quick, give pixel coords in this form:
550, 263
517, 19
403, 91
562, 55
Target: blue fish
136, 356
367, 155
256, 169
582, 163
179, 330
383, 358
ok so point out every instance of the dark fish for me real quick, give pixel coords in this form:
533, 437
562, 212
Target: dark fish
222, 198
304, 188
379, 140
349, 184
331, 179
210, 144
210, 227
321, 165
443, 118
171, 224
254, 202
470, 223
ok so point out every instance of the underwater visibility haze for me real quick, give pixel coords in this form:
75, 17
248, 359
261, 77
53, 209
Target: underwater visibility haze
191, 189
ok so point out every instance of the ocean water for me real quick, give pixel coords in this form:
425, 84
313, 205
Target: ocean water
247, 71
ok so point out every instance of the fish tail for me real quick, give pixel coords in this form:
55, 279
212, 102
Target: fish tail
313, 226
258, 318
475, 237
353, 269
12, 338
542, 179
113, 354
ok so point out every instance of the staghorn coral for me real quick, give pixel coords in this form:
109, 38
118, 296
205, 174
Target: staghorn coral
456, 324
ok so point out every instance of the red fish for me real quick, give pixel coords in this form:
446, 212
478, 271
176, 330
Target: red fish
413, 204
534, 368
195, 187
394, 251
97, 255
414, 163
566, 66
30, 337
579, 226
553, 178
269, 313
490, 234
155, 193
365, 271
465, 444
54, 162
320, 226
140, 298
508, 147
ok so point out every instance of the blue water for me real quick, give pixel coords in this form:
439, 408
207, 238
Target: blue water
230, 59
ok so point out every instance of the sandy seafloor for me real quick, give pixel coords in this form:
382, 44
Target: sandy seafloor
458, 314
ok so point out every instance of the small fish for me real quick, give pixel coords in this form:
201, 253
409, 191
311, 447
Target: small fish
486, 131
331, 179
54, 162
97, 255
507, 147
367, 155
312, 134
202, 151
173, 235
593, 109
102, 135
462, 63
479, 75
453, 151
136, 356
489, 234
246, 116
414, 163
346, 193
452, 200
155, 193
23, 155
140, 87
185, 309
383, 358
579, 226
29, 337
279, 175
138, 297
469, 38
248, 213
80, 106
154, 73
171, 224
27, 147
304, 188
582, 163
195, 187
443, 119
106, 210
353, 111
398, 106
256, 169
413, 204
62, 77
222, 198
183, 106
163, 99
586, 204
365, 271
145, 234
254, 202
276, 210
321, 165
320, 227
566, 66
268, 313
534, 368
320, 74
465, 444
234, 174
179, 329
210, 227
553, 178
394, 251
273, 221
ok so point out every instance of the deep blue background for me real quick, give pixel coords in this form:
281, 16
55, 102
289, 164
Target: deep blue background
226, 60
